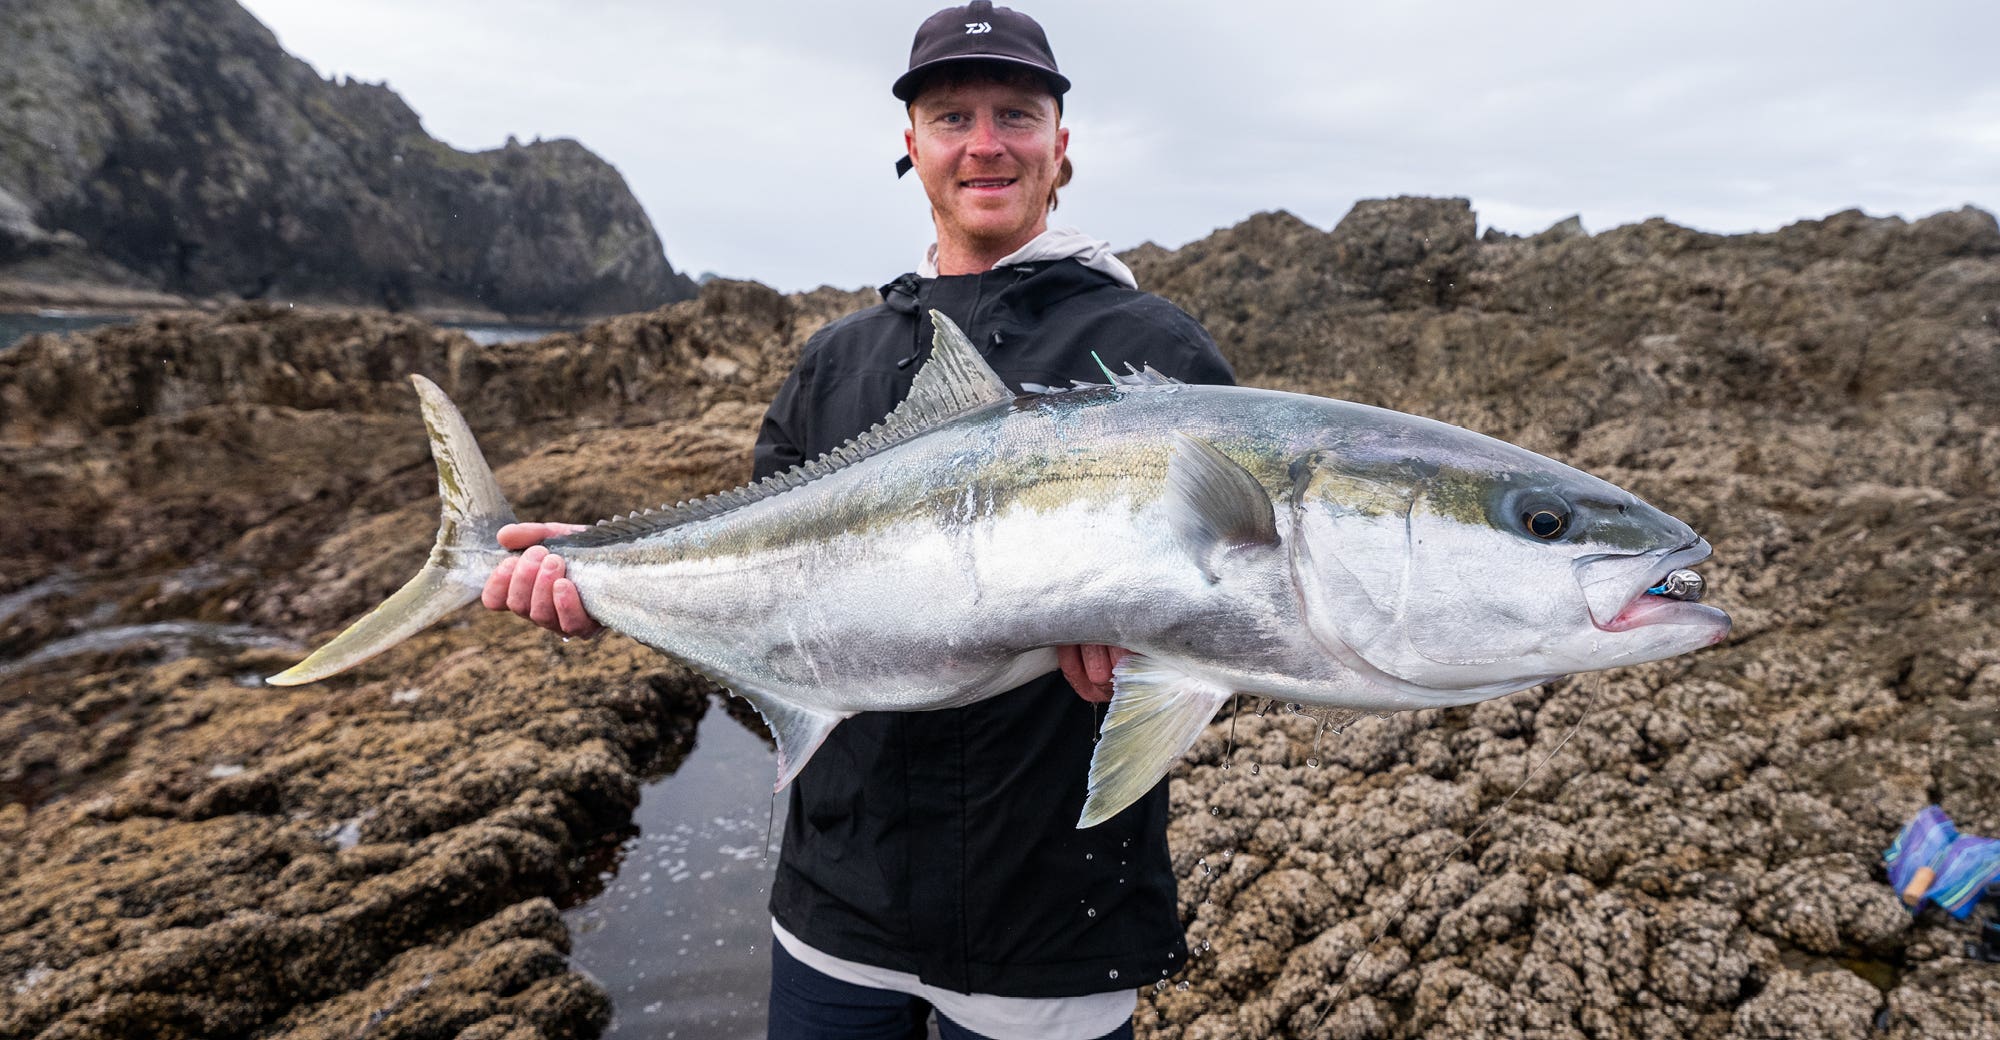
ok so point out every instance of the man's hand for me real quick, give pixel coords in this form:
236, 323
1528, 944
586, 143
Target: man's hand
1088, 669
532, 584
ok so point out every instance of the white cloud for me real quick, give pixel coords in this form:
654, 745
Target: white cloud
760, 137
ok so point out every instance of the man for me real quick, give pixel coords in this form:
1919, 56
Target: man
931, 859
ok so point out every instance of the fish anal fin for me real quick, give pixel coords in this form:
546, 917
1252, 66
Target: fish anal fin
798, 731
1214, 504
1155, 715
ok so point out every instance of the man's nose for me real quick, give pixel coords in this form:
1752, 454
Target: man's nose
985, 138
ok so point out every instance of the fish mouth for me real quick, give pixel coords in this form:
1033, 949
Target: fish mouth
1620, 597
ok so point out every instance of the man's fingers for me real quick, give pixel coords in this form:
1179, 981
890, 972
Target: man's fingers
1097, 663
569, 611
1070, 659
542, 603
521, 589
521, 536
515, 537
494, 595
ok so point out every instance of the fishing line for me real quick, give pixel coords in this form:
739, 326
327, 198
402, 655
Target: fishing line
1595, 684
770, 821
1235, 709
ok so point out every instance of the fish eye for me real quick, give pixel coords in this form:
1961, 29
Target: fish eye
1545, 518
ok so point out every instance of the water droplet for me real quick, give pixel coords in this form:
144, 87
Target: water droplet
1215, 810
1090, 912
1255, 769
1182, 988
1089, 855
1114, 973
1313, 763
1160, 986
1295, 707
1204, 946
1126, 844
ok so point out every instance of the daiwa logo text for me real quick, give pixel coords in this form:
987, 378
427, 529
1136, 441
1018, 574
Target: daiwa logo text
975, 28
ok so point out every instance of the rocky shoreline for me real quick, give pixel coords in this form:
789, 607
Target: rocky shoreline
23, 296
1687, 849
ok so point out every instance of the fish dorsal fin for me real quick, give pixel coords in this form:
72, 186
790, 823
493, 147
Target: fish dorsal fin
955, 380
1147, 376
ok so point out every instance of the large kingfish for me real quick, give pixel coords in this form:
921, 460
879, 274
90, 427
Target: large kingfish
1240, 541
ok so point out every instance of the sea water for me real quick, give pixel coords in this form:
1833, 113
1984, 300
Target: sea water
680, 936
16, 327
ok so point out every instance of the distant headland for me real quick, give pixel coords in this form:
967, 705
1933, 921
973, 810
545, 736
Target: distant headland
162, 155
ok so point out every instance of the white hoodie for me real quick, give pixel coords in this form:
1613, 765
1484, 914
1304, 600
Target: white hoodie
1059, 242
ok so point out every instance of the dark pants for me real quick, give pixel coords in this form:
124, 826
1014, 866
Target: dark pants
806, 1005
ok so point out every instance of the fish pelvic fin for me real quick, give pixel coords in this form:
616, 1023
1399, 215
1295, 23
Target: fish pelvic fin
466, 550
1156, 713
1215, 505
798, 731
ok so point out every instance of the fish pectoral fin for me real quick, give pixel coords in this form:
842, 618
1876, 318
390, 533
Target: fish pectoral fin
1156, 714
1215, 505
798, 731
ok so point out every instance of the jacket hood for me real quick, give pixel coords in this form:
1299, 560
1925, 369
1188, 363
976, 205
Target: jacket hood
1059, 242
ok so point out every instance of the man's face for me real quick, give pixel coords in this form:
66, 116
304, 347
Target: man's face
988, 155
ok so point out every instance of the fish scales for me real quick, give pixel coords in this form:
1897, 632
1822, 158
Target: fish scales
1237, 540
910, 575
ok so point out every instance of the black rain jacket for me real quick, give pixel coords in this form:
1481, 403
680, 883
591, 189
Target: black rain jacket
944, 843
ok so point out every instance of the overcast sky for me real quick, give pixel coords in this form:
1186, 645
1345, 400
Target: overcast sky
760, 136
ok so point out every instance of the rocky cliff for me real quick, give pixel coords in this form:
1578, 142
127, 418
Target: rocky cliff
1684, 850
175, 146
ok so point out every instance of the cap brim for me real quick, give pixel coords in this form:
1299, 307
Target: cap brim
905, 87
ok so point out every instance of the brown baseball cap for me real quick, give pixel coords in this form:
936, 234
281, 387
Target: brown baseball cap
979, 31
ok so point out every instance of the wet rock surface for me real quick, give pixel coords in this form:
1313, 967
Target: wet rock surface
1686, 849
